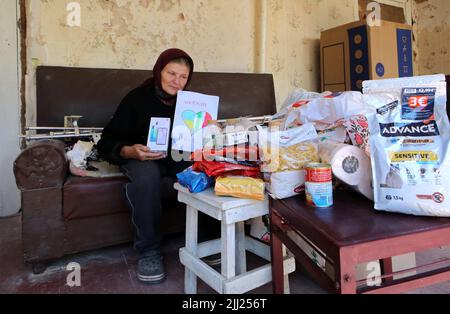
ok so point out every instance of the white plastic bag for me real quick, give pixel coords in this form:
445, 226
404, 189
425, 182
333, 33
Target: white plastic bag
301, 94
80, 151
409, 137
326, 112
287, 184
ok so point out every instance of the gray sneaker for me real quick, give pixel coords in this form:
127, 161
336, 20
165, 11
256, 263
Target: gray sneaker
151, 268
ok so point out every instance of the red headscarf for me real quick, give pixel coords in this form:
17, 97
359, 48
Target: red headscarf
164, 58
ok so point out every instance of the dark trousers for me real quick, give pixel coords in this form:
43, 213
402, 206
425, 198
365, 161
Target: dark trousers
143, 193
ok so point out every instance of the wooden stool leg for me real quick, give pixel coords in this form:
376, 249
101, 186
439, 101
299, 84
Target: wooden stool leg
228, 239
190, 279
241, 263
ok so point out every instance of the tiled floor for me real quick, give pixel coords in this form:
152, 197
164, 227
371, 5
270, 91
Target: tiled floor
113, 270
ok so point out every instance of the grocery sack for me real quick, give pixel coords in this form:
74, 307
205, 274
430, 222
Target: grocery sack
337, 134
325, 112
409, 137
281, 185
357, 128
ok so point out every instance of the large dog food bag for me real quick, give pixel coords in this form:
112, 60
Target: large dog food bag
409, 137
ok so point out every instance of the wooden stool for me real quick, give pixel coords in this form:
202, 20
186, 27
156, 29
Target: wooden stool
232, 212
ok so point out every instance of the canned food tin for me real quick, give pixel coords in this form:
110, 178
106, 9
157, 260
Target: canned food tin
318, 185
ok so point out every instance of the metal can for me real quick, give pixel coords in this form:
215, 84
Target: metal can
318, 185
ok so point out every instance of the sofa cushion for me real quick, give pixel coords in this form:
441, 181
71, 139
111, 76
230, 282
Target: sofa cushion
87, 197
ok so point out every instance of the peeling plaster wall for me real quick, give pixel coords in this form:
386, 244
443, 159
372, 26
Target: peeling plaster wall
432, 19
220, 35
293, 49
131, 33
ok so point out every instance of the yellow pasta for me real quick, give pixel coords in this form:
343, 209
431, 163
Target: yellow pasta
290, 158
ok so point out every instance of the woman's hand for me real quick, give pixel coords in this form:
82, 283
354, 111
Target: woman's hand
140, 152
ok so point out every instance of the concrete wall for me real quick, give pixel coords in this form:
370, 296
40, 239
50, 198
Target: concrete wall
9, 108
275, 36
432, 26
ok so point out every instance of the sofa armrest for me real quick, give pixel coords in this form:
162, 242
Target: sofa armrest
40, 172
42, 165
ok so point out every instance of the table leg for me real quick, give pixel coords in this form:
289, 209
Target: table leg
241, 263
277, 264
347, 272
190, 279
387, 268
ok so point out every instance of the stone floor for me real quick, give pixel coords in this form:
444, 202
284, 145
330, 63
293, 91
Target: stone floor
113, 270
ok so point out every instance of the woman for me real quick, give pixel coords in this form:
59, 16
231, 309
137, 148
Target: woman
124, 141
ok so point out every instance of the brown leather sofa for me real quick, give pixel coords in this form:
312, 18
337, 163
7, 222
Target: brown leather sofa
63, 214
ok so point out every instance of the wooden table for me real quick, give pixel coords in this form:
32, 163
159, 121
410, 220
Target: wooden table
232, 212
352, 232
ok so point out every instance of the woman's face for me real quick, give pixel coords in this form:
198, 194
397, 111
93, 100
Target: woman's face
174, 77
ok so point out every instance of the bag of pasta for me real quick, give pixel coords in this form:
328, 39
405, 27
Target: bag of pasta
288, 150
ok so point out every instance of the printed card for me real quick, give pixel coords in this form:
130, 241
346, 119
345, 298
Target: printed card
192, 114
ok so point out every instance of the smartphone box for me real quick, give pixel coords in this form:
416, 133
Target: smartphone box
158, 134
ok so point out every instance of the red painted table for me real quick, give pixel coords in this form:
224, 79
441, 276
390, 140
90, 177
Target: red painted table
352, 232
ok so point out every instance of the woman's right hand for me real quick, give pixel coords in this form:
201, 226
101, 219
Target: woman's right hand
140, 152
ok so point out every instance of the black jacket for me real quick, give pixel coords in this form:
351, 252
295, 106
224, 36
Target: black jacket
131, 121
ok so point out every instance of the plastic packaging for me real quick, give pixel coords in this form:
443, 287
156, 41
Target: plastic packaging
195, 181
287, 184
242, 187
409, 145
357, 128
326, 112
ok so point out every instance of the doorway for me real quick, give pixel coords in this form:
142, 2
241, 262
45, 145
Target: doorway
9, 107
